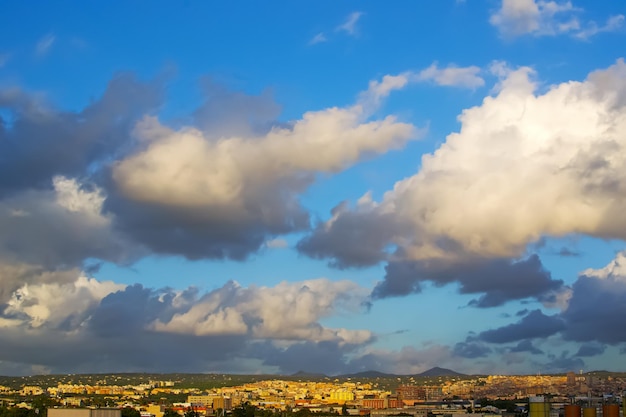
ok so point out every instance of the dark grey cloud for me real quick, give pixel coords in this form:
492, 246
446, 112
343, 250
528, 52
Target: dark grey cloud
499, 280
323, 357
526, 346
595, 310
568, 252
471, 349
352, 241
534, 325
206, 233
563, 363
38, 230
41, 142
590, 349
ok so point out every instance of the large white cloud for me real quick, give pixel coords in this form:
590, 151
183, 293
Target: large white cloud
525, 164
214, 194
63, 305
288, 311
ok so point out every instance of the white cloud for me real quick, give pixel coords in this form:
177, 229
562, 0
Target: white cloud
44, 44
523, 165
612, 24
191, 169
288, 311
349, 26
547, 18
520, 17
52, 304
615, 270
467, 77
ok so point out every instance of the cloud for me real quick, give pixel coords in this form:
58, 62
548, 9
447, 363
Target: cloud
598, 299
226, 113
206, 195
613, 23
60, 227
497, 280
65, 305
471, 349
319, 38
532, 326
93, 326
44, 44
590, 349
590, 314
526, 346
288, 311
452, 75
547, 18
276, 244
563, 363
349, 26
33, 148
523, 166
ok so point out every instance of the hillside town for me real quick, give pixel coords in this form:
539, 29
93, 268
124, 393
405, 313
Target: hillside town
374, 396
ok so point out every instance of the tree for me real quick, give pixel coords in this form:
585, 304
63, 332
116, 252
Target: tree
170, 413
130, 412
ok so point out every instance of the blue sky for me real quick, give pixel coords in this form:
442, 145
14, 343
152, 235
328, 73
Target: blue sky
319, 186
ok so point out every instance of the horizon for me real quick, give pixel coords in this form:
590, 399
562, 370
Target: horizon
243, 189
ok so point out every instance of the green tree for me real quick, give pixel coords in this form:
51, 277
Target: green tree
170, 413
130, 412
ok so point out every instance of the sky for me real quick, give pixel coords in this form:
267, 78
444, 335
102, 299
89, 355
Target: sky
331, 187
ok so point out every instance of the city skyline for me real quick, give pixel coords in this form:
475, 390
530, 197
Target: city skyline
318, 186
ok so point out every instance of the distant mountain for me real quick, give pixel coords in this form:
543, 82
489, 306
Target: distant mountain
368, 374
437, 371
304, 374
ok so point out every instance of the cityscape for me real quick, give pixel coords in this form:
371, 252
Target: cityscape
436, 392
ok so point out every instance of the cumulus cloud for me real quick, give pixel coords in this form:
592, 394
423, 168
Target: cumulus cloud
33, 147
287, 311
63, 306
496, 280
547, 18
60, 227
598, 299
209, 195
524, 165
590, 315
116, 323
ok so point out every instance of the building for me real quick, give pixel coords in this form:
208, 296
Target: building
84, 412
